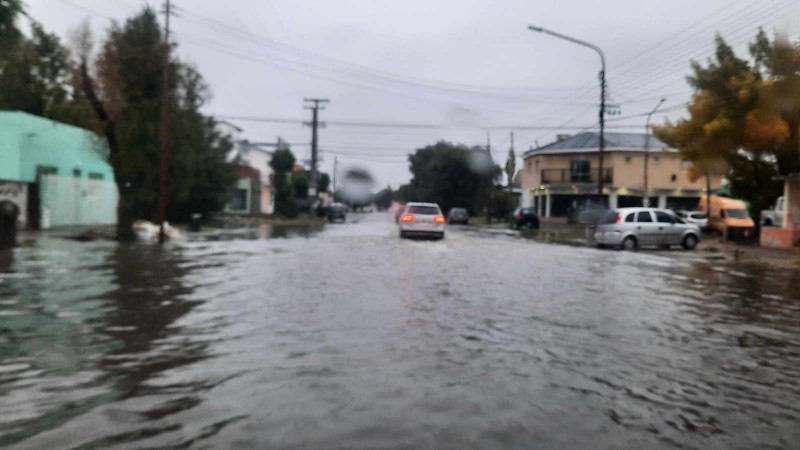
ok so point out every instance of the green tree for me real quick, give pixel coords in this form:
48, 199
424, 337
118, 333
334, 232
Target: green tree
300, 184
281, 163
126, 98
383, 198
511, 166
443, 174
324, 182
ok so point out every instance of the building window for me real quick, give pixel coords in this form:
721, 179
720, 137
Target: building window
46, 170
674, 177
238, 200
95, 176
76, 173
537, 163
627, 158
579, 170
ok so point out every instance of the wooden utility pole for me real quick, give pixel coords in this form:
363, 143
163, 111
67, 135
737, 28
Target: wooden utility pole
312, 182
162, 199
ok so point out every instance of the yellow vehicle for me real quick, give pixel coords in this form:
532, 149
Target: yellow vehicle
730, 217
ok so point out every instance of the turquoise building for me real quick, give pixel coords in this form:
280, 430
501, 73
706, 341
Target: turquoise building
57, 174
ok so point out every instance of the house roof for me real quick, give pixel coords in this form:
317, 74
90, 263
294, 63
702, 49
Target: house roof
590, 141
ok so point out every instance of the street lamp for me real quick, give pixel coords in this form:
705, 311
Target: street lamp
602, 96
646, 200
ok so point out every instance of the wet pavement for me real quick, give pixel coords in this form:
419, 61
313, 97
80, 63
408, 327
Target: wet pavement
347, 337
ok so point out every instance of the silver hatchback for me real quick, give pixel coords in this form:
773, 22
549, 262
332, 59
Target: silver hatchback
631, 228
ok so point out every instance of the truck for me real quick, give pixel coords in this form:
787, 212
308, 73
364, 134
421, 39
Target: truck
729, 217
773, 217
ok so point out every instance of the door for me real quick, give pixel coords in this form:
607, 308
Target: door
647, 229
669, 232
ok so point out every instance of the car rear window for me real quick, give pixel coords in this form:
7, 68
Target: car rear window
644, 216
630, 217
608, 217
458, 210
424, 210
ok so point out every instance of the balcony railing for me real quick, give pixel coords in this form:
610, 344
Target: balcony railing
555, 176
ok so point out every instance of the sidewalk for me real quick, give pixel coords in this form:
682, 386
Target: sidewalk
712, 248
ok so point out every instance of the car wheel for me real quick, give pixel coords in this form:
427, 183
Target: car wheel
630, 243
690, 242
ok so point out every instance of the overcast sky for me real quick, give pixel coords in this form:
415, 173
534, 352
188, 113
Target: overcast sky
462, 67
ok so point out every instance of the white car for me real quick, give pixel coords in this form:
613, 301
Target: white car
422, 219
698, 218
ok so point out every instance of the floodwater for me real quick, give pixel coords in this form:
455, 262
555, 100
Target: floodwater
348, 337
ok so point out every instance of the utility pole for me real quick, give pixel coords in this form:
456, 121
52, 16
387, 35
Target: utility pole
335, 170
312, 182
163, 138
489, 181
646, 200
602, 114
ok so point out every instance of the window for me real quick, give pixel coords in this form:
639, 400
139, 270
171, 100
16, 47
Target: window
674, 177
579, 170
95, 176
46, 170
76, 173
627, 158
644, 216
737, 213
663, 217
238, 200
425, 210
630, 217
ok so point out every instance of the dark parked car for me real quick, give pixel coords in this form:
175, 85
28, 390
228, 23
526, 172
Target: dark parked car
337, 212
524, 218
458, 215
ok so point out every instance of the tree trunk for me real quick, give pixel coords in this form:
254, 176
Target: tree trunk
125, 212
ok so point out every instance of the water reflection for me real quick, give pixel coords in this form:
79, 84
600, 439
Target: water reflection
91, 324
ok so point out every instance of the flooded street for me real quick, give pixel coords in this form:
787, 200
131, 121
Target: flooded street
348, 337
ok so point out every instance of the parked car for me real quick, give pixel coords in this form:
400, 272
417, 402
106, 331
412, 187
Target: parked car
524, 217
773, 217
632, 228
422, 219
458, 215
337, 211
698, 218
729, 217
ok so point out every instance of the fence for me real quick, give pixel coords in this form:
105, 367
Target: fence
77, 201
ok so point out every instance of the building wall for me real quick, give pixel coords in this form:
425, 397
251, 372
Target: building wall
68, 200
17, 193
37, 141
628, 169
9, 147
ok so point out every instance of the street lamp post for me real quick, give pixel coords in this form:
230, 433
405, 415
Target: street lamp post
602, 113
646, 200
